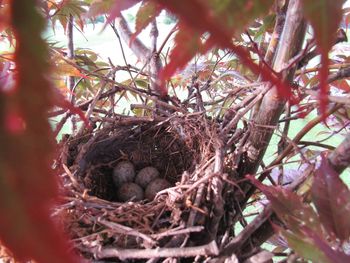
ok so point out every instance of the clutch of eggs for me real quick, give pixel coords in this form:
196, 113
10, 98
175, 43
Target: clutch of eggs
131, 188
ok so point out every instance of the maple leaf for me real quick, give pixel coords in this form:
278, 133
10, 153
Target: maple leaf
67, 8
290, 208
303, 246
332, 200
220, 32
147, 12
325, 17
187, 44
311, 246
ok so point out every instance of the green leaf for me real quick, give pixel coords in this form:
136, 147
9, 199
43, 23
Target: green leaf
142, 83
268, 23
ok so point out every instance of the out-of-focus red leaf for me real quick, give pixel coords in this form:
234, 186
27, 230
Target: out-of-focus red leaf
342, 84
332, 200
311, 246
60, 101
290, 208
147, 12
67, 8
187, 44
100, 7
4, 15
27, 183
325, 17
221, 32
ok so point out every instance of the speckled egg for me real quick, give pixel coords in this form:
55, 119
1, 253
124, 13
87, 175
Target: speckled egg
146, 175
156, 186
130, 192
123, 172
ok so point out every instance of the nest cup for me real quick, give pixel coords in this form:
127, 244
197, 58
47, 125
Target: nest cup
143, 145
176, 147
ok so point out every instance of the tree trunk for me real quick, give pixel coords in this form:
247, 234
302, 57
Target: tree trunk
272, 105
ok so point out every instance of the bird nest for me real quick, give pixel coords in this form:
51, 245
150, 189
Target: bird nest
183, 221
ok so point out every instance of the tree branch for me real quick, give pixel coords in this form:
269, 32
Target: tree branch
209, 249
148, 56
142, 52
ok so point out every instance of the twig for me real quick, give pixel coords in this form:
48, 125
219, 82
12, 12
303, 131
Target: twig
209, 249
246, 104
123, 53
120, 229
173, 232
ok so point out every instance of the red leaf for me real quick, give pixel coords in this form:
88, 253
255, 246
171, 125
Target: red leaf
221, 33
332, 200
27, 183
145, 15
333, 255
60, 101
325, 17
342, 84
187, 44
290, 208
303, 246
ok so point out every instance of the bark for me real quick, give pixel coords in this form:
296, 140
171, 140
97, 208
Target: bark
281, 11
141, 51
155, 65
272, 105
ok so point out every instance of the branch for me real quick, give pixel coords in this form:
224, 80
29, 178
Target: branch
209, 249
142, 52
260, 229
70, 55
155, 65
339, 159
272, 105
148, 56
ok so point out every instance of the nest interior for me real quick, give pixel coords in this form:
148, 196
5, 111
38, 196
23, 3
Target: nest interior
181, 149
143, 145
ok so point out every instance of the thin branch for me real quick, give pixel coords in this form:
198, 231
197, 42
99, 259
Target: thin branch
209, 249
70, 54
